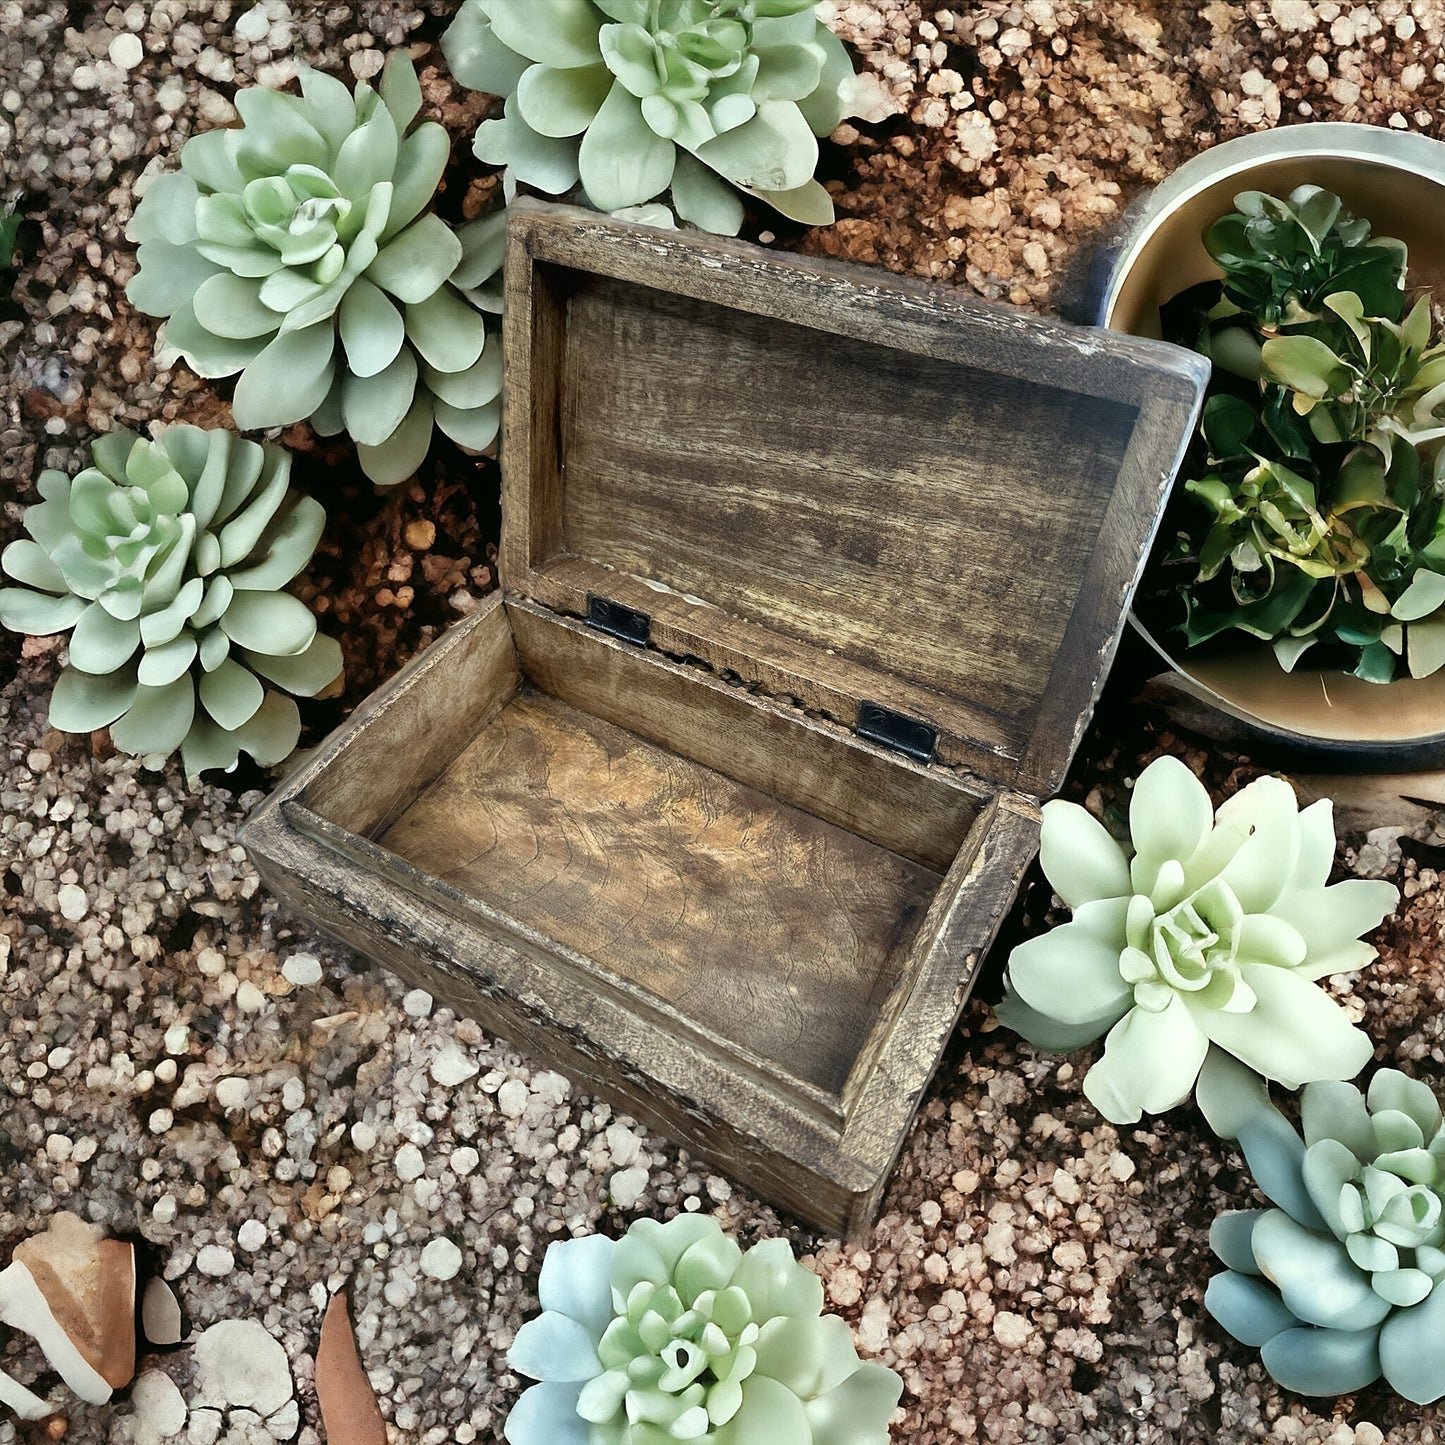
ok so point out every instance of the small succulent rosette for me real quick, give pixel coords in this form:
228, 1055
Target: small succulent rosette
1341, 1281
1208, 929
633, 97
674, 1333
164, 561
298, 251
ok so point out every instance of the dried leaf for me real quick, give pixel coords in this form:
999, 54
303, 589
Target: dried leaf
348, 1406
89, 1283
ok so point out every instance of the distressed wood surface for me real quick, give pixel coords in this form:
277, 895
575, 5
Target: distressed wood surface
767, 927
866, 488
921, 812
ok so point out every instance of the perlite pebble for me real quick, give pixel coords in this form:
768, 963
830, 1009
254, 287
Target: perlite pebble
363, 1136
252, 1235
215, 1260
626, 1186
159, 1408
409, 1163
512, 1098
452, 1067
302, 969
417, 1004
441, 1259
233, 1093
126, 51
73, 904
249, 998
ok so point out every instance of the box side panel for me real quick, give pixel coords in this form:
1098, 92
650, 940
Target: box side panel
510, 984
404, 735
921, 813
980, 889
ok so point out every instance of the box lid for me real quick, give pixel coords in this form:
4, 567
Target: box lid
914, 514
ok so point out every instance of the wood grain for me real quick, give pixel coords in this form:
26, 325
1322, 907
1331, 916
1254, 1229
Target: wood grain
769, 928
921, 812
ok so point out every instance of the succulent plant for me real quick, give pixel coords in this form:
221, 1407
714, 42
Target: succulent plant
298, 251
1209, 929
674, 1333
1312, 517
165, 562
1339, 1282
631, 97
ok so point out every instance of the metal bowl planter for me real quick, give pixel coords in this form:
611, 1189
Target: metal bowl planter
1397, 180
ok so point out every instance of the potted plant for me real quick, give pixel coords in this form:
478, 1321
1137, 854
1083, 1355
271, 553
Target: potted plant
1313, 682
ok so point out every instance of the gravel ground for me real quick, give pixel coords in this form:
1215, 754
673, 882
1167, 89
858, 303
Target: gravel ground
185, 1064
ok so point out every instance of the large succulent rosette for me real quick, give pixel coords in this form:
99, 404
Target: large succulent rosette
164, 561
1341, 1281
1209, 929
298, 251
674, 1333
633, 97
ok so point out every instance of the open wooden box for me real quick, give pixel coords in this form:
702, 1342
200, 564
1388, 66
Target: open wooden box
810, 579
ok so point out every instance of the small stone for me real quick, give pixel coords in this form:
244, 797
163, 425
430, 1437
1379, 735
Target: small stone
249, 998
252, 1235
240, 1366
178, 1039
409, 1163
1011, 1330
626, 1186
160, 1409
74, 905
441, 1259
363, 1136
163, 1211
417, 1004
512, 1098
293, 1094
452, 1067
253, 26
215, 1260
126, 51
233, 1093
302, 969
463, 1161
420, 535
161, 1121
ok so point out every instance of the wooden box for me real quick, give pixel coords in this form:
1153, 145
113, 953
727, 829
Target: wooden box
810, 578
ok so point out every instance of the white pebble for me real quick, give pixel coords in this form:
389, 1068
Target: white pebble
164, 1209
126, 51
178, 1039
160, 1409
409, 1163
512, 1098
452, 1067
293, 1094
215, 1260
252, 1235
626, 1186
363, 1135
74, 905
233, 1093
249, 998
441, 1259
302, 969
254, 26
417, 1004
464, 1160
161, 1121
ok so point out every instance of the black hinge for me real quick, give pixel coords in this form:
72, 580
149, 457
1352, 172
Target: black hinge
627, 624
907, 735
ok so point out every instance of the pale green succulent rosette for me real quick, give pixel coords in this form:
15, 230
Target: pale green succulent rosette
632, 97
298, 251
1341, 1281
674, 1333
164, 561
1211, 929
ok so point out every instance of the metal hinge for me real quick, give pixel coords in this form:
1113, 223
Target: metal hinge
910, 736
627, 624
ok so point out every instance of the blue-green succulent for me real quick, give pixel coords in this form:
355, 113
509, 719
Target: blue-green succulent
1340, 1282
298, 250
632, 97
675, 1333
165, 562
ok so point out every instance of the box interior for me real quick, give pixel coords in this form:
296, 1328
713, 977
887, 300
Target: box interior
889, 523
689, 843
